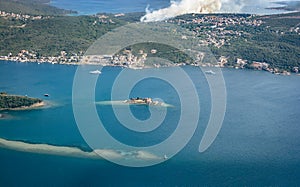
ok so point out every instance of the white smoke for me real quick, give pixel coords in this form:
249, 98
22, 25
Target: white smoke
182, 7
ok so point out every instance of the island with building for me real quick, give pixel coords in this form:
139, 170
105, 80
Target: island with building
17, 102
143, 101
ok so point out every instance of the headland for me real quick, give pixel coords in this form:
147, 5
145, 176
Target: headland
16, 102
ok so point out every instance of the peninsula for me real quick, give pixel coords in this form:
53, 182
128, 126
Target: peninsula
16, 102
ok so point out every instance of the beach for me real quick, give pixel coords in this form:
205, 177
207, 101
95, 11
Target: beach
31, 107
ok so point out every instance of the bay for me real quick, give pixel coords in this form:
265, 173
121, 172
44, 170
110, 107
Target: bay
258, 144
103, 6
90, 7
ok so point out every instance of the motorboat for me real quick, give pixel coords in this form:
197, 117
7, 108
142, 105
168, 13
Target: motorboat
95, 72
210, 72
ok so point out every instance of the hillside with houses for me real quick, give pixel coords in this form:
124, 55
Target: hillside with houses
270, 43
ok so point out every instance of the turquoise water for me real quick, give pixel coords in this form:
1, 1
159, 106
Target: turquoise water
258, 144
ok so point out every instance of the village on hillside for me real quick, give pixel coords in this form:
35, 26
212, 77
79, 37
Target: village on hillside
213, 30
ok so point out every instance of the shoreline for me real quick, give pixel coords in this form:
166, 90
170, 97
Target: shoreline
31, 107
284, 73
223, 30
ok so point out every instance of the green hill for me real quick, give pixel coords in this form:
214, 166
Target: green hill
50, 36
275, 41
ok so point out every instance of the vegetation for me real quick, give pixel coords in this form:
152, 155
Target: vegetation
48, 37
275, 42
15, 102
160, 51
275, 51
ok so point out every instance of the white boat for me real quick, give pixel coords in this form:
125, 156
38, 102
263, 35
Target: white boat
95, 72
210, 72
165, 157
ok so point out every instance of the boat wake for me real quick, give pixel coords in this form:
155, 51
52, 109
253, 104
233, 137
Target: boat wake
76, 152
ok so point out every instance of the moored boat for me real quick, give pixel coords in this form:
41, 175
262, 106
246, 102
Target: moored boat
210, 72
95, 72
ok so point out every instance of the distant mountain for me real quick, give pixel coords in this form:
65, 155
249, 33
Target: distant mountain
287, 5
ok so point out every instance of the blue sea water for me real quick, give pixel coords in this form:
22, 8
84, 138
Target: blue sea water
115, 6
258, 144
89, 7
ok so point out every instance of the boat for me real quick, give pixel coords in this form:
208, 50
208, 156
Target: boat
95, 72
165, 157
46, 95
210, 72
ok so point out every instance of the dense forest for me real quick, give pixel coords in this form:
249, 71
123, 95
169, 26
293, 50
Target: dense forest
14, 101
48, 37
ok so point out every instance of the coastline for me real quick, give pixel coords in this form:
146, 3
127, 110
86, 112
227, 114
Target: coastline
214, 37
31, 107
284, 73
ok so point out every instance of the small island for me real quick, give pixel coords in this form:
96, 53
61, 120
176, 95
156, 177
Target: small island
136, 101
16, 102
145, 101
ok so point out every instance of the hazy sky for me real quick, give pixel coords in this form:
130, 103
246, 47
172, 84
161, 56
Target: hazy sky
250, 6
